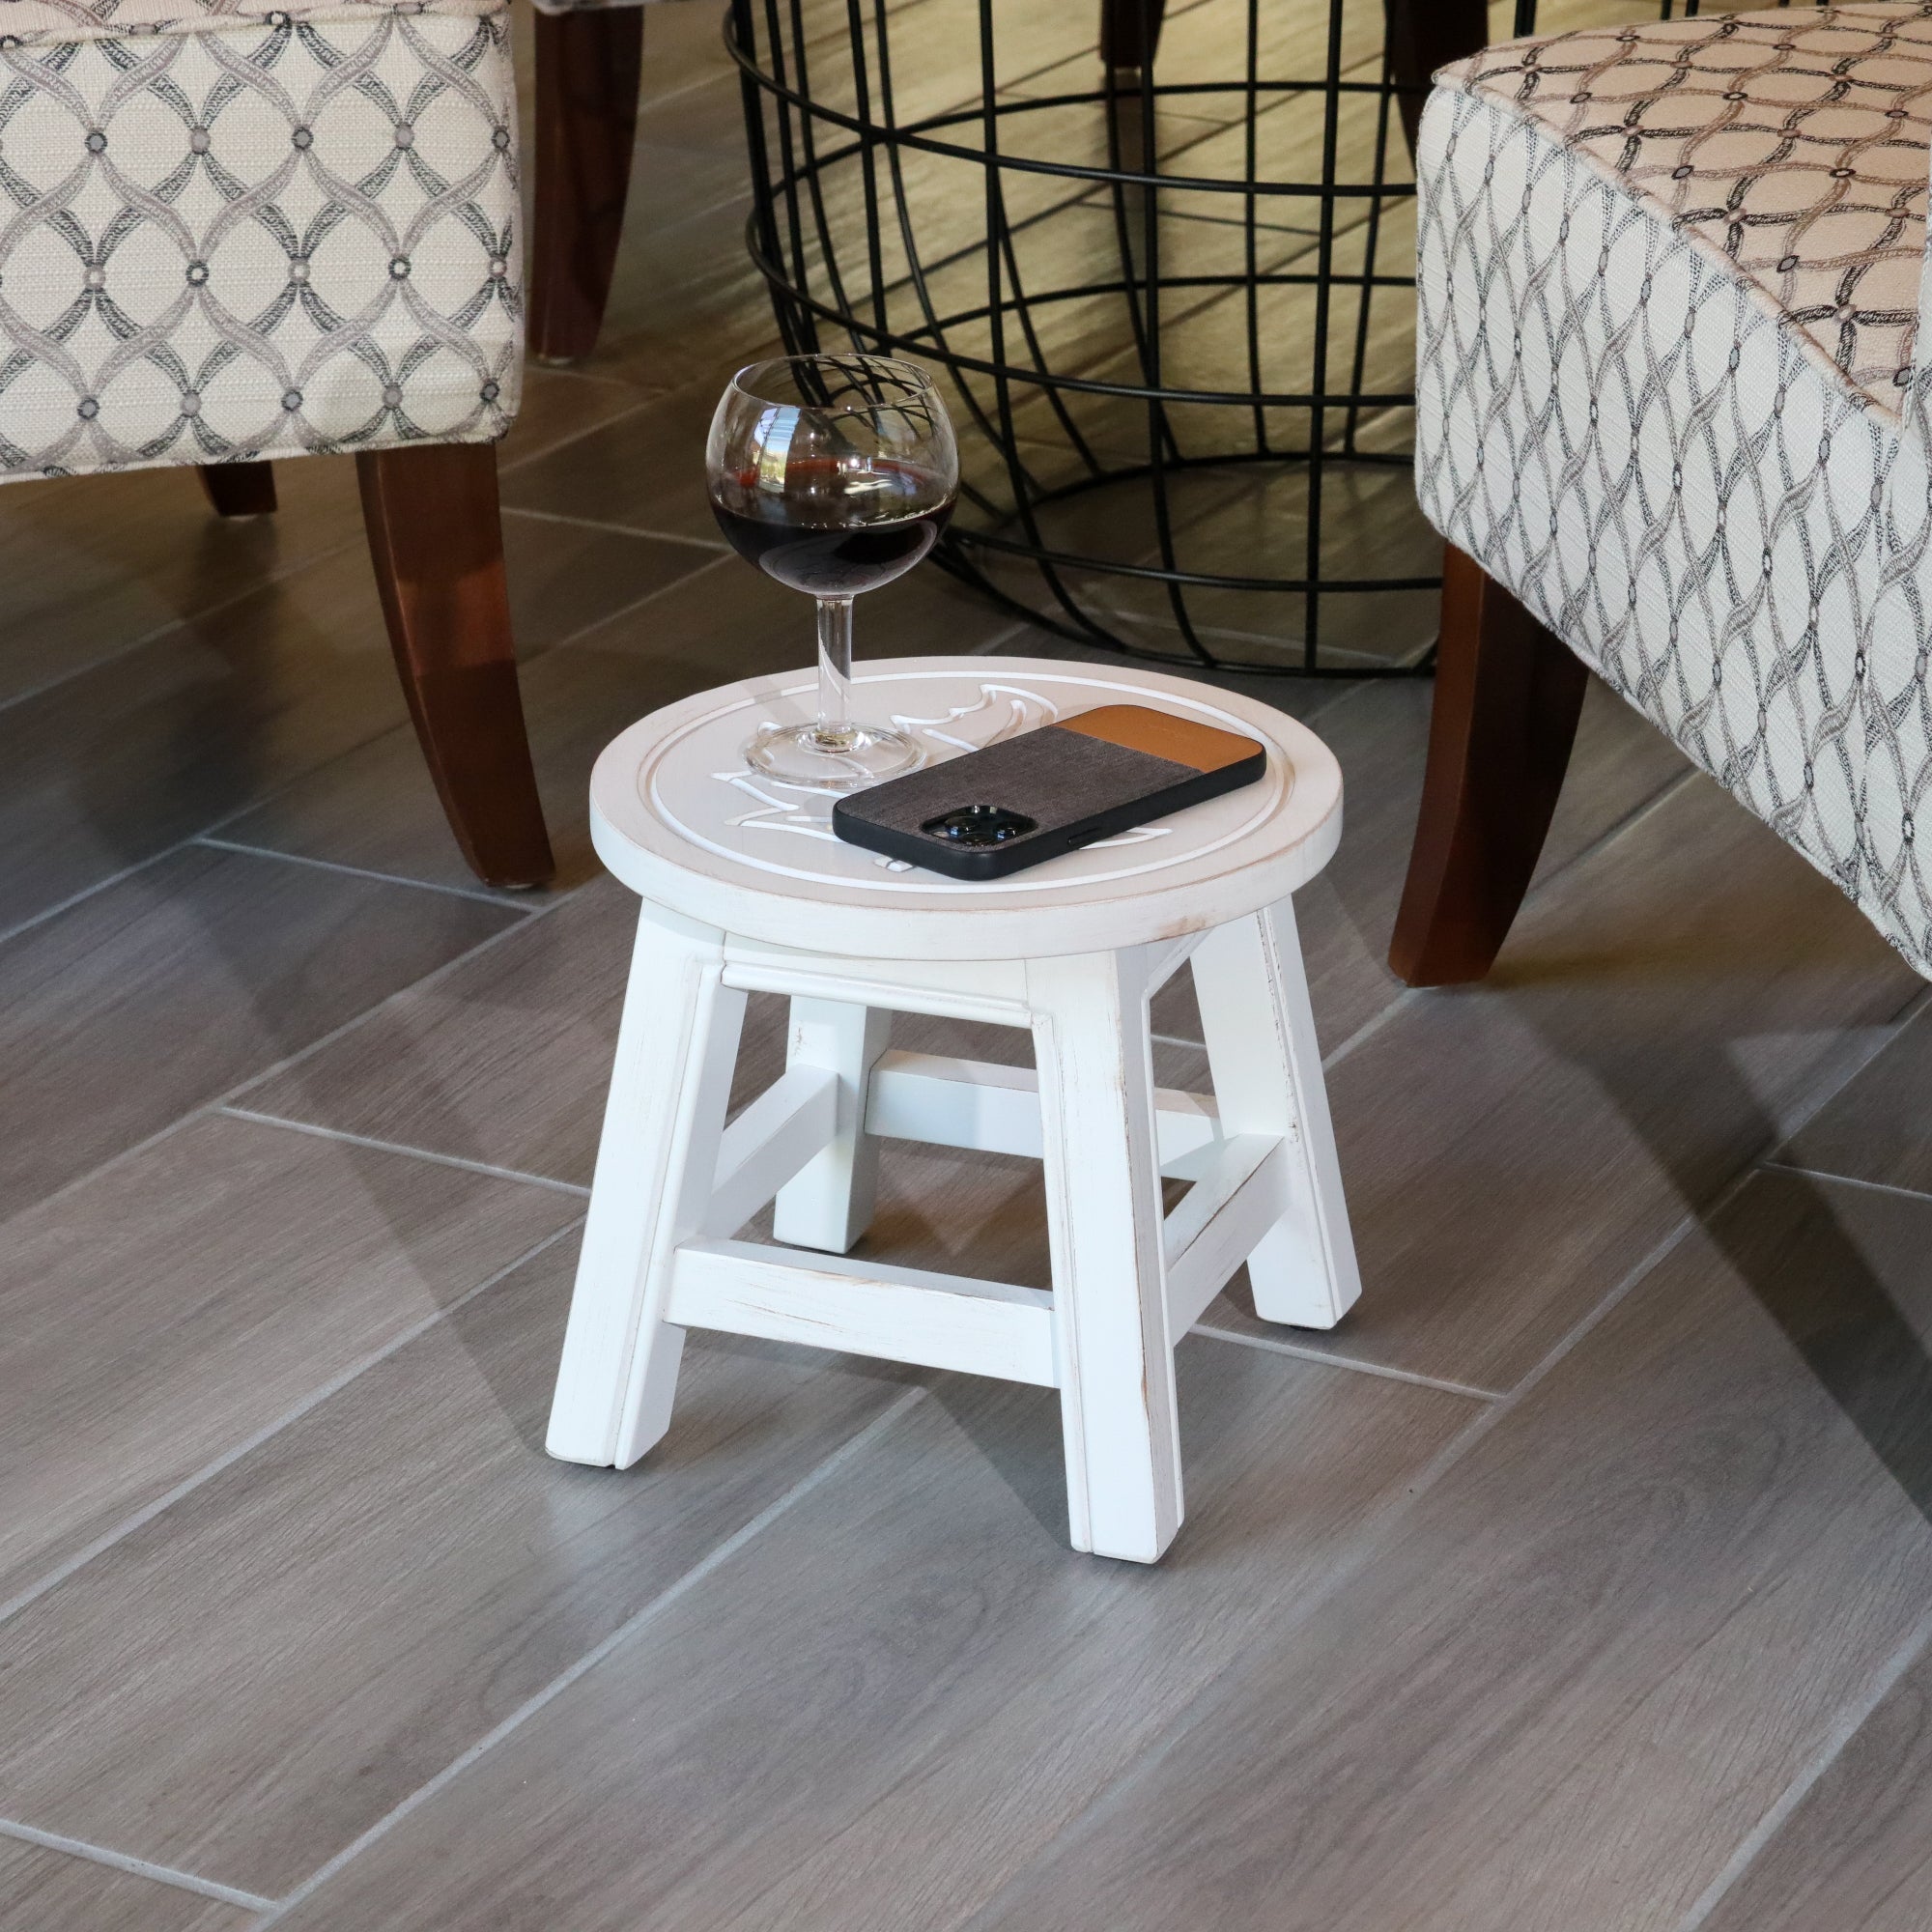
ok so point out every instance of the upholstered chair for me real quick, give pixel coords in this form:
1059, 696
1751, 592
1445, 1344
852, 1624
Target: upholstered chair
231, 234
1673, 422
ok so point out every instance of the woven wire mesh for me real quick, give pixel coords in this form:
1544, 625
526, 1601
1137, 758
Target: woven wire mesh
1172, 296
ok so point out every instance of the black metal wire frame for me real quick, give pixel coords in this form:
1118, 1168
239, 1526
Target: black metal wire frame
801, 245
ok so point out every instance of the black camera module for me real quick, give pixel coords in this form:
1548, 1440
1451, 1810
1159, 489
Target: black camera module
980, 825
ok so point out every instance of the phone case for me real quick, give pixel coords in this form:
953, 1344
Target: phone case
1047, 791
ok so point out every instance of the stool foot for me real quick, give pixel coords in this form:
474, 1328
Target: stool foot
1114, 1354
1259, 1030
828, 1204
655, 1165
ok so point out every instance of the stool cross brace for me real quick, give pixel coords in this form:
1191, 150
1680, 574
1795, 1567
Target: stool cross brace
675, 1185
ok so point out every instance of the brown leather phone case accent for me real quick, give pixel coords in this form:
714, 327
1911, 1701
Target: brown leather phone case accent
1047, 791
1206, 748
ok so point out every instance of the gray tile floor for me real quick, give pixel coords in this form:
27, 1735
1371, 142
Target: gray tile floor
1582, 1579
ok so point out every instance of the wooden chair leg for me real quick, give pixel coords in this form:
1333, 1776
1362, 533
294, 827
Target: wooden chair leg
589, 68
240, 489
1130, 31
437, 541
1507, 696
1422, 36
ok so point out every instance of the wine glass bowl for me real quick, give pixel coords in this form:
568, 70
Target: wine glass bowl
835, 474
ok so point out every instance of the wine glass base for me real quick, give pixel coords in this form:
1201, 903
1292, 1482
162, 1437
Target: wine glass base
846, 759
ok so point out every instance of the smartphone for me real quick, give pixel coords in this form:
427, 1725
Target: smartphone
1030, 798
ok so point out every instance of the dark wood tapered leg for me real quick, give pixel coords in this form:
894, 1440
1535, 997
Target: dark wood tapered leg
588, 66
1130, 31
1424, 35
1507, 695
240, 489
437, 542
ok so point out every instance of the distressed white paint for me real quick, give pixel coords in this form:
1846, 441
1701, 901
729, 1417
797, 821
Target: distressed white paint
868, 1307
1075, 958
1267, 1069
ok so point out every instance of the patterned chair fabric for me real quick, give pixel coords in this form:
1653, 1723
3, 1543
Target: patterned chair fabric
230, 232
1670, 396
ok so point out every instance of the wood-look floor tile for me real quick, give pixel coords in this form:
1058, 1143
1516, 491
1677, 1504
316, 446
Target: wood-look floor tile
165, 1309
49, 1891
1596, 1651
1843, 1270
1662, 1016
161, 991
123, 760
374, 806
642, 471
894, 1696
246, 1684
1380, 736
89, 565
686, 302
1880, 1126
1857, 1850
503, 1060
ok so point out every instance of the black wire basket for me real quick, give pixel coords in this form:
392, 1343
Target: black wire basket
1175, 304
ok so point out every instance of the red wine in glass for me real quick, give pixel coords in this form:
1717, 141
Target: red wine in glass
833, 474
784, 534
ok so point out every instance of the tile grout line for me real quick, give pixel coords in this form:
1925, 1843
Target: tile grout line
1355, 1364
276, 575
402, 1147
227, 1459
178, 622
1890, 1187
1386, 1521
549, 909
1851, 1720
713, 546
123, 1861
402, 723
480, 894
1409, 995
26, 926
220, 1103
713, 1560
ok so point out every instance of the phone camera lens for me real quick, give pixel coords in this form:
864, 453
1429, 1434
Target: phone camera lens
980, 825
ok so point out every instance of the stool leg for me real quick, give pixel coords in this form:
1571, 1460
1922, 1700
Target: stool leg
828, 1204
656, 1164
1115, 1357
1259, 1030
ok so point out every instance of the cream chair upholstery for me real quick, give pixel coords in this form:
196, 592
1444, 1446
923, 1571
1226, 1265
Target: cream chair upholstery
1673, 402
232, 233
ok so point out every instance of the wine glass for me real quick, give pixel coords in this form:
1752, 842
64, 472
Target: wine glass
833, 474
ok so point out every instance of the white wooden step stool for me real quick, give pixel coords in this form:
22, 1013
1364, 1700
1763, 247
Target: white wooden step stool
745, 888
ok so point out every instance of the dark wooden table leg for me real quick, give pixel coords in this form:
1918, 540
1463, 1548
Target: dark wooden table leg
1130, 31
589, 68
240, 489
1507, 695
437, 541
1424, 35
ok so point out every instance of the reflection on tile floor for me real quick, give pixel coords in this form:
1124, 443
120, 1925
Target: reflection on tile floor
1580, 1578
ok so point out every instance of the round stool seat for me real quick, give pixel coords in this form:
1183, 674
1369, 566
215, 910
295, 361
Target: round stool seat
678, 816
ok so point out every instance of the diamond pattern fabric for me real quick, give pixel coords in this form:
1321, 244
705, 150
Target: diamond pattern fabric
29, 23
1793, 143
1668, 439
254, 236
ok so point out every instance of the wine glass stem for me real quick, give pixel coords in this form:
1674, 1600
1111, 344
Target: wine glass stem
834, 671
